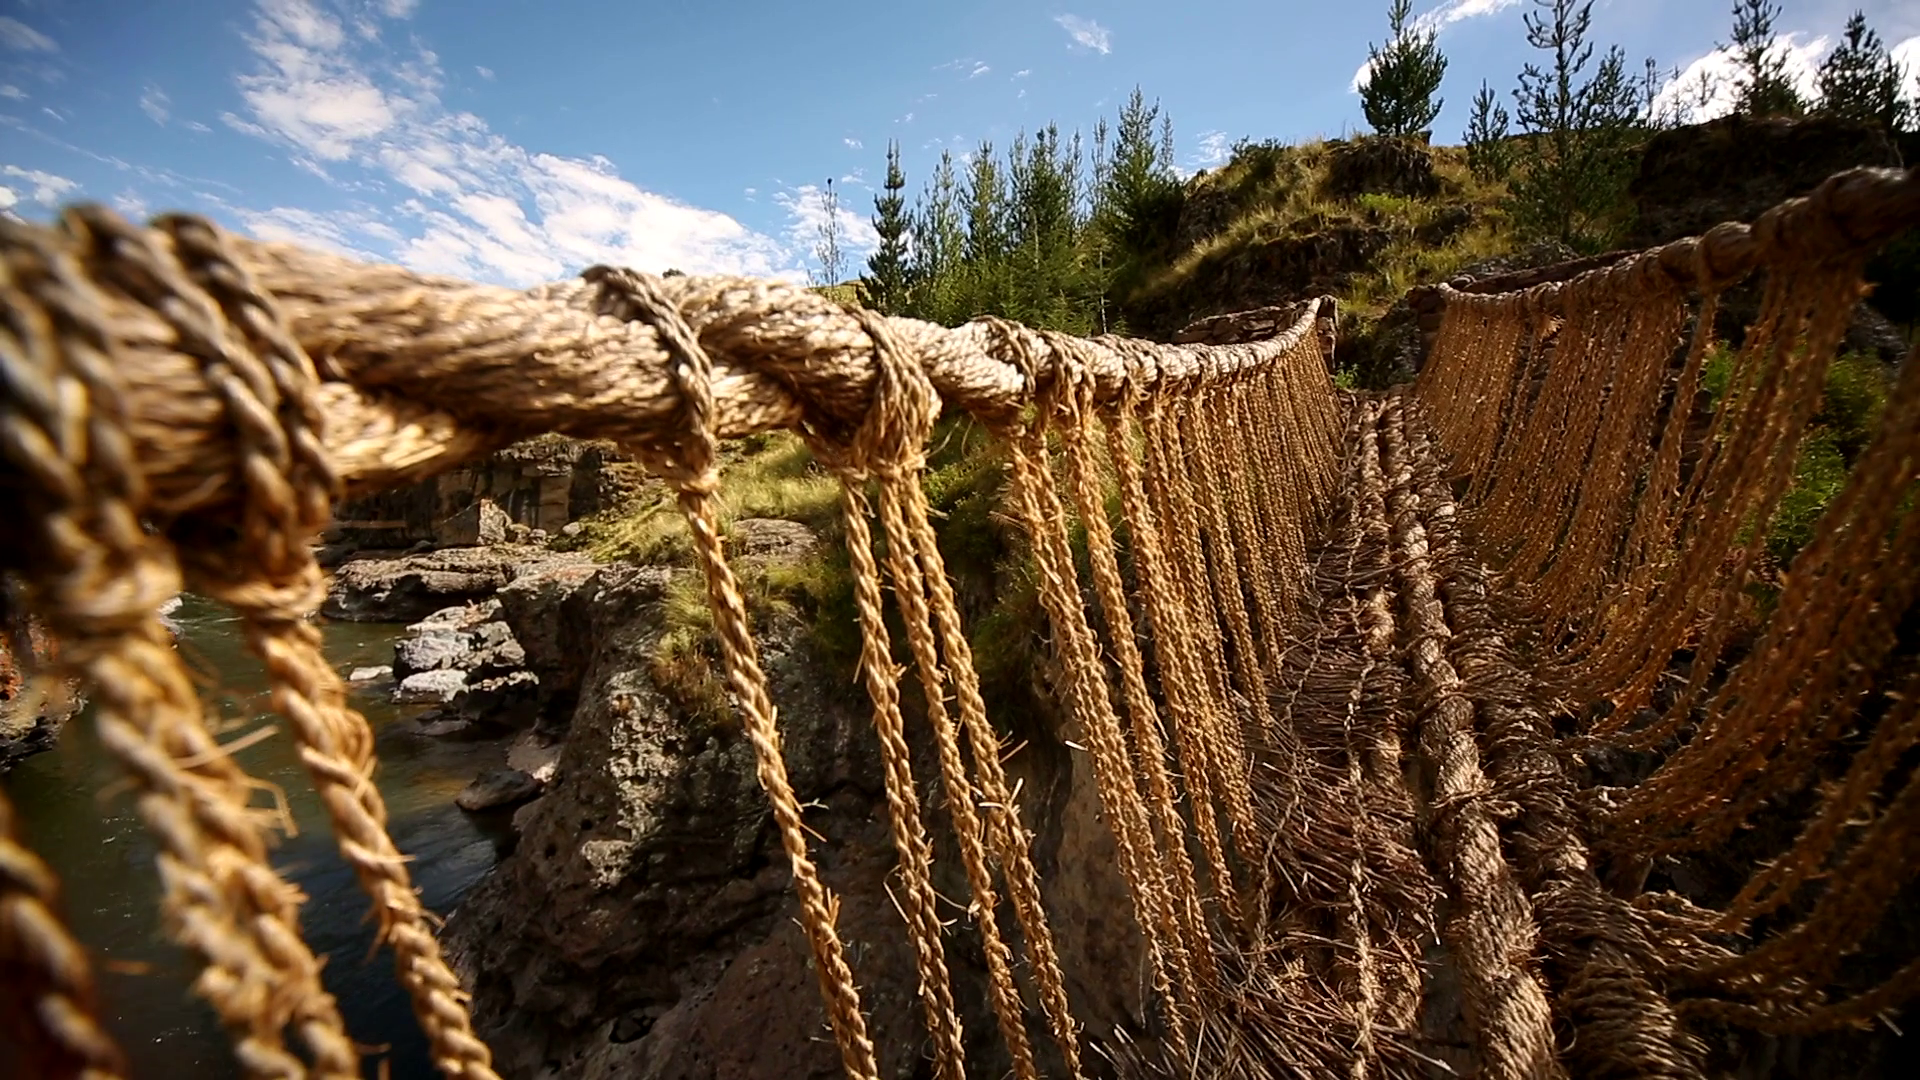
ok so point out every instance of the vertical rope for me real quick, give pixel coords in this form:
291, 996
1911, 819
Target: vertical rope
692, 468
272, 580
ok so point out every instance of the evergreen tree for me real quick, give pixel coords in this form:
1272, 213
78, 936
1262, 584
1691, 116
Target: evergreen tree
1488, 153
1860, 81
1139, 178
984, 281
1402, 76
1044, 283
939, 243
1765, 89
1583, 135
886, 282
986, 206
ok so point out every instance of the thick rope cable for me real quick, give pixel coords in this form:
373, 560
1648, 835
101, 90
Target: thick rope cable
97, 579
275, 586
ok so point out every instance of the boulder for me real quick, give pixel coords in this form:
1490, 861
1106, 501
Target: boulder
1381, 165
496, 789
644, 924
432, 650
559, 615
481, 523
435, 687
510, 700
770, 538
372, 674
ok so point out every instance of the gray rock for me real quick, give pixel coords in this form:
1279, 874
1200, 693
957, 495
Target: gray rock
437, 687
480, 522
446, 727
652, 853
534, 756
458, 617
414, 586
510, 700
370, 674
497, 788
436, 648
770, 538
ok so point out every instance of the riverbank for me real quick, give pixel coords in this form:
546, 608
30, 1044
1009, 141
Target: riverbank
77, 817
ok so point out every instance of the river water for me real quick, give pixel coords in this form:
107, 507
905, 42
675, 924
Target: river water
104, 857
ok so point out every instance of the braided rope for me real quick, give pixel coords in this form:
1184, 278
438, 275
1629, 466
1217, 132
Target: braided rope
688, 459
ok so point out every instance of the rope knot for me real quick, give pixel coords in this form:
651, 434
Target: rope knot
891, 441
690, 458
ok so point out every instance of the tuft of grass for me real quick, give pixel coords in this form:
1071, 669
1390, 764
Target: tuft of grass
1850, 405
817, 591
763, 476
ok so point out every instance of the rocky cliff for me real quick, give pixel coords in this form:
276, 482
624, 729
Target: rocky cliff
644, 925
540, 484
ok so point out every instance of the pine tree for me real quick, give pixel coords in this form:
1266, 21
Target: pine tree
1402, 76
1860, 81
1488, 153
1765, 89
1583, 134
939, 243
886, 282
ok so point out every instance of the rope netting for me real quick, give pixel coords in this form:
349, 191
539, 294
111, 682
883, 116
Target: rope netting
1348, 754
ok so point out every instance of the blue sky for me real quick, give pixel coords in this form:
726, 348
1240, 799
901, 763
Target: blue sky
516, 142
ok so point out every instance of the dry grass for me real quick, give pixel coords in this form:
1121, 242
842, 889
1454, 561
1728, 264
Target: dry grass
765, 476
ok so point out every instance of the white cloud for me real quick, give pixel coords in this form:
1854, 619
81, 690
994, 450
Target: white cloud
1086, 33
20, 37
473, 203
1709, 86
12, 93
56, 115
853, 143
484, 72
978, 70
1448, 13
195, 125
1023, 73
806, 208
1213, 149
1907, 55
398, 9
907, 119
1454, 11
8, 200
131, 205
48, 189
154, 103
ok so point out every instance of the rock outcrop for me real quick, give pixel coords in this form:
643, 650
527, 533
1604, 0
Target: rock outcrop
411, 587
644, 925
1737, 167
540, 484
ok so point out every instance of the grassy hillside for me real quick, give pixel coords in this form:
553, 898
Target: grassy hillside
1362, 220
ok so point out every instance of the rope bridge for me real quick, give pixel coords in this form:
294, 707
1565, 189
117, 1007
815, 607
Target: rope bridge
1388, 635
